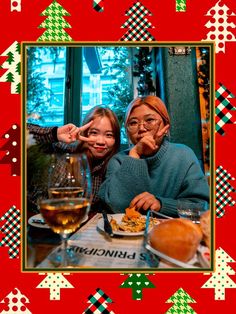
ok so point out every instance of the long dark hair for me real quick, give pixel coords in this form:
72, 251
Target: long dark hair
101, 112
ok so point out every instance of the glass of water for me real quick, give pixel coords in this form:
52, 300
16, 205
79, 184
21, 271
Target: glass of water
191, 211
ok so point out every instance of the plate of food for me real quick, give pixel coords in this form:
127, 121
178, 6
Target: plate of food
132, 223
38, 221
179, 242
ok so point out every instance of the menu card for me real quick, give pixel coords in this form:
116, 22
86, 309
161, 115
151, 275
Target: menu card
95, 249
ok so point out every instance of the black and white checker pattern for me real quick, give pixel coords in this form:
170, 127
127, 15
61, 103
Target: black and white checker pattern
11, 231
223, 188
137, 24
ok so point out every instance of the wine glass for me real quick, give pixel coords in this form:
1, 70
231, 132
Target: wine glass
69, 176
69, 190
64, 216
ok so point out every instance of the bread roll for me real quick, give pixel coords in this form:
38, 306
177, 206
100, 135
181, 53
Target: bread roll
205, 225
178, 238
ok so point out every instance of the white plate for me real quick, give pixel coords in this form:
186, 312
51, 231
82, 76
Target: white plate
198, 261
33, 221
118, 218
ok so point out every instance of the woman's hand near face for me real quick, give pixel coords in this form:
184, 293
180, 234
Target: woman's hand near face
75, 134
64, 133
145, 146
149, 144
146, 201
160, 134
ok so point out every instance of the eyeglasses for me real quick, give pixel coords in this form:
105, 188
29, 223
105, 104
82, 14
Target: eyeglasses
148, 124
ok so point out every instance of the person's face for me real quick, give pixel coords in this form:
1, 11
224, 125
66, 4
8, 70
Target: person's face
143, 121
102, 134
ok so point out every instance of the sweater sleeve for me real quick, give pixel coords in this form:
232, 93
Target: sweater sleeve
124, 176
48, 135
43, 134
194, 189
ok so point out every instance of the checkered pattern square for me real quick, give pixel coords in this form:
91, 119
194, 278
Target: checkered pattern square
137, 22
98, 5
138, 9
98, 303
223, 188
11, 231
223, 115
137, 35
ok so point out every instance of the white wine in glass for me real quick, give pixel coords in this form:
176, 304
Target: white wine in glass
60, 192
70, 193
64, 216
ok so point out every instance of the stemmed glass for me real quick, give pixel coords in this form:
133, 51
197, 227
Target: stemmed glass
69, 191
69, 176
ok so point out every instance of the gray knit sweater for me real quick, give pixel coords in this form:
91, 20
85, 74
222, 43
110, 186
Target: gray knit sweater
173, 175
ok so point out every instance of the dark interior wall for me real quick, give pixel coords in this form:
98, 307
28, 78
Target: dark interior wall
178, 87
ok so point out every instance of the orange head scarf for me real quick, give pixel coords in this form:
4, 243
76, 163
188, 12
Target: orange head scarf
153, 102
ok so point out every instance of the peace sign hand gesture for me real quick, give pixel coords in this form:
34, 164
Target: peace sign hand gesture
76, 133
149, 143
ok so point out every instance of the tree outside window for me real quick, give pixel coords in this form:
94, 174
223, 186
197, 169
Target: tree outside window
106, 80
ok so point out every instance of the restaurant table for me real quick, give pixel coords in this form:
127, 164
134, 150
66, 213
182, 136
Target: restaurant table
95, 250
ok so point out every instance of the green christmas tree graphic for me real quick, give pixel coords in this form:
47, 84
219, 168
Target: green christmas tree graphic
10, 57
55, 23
10, 77
12, 65
181, 299
137, 282
180, 5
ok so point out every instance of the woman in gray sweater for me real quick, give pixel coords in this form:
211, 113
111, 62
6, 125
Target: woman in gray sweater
155, 173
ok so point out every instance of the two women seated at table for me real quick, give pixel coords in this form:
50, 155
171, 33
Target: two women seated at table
153, 174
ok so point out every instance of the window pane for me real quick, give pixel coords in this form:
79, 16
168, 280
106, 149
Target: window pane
107, 80
45, 85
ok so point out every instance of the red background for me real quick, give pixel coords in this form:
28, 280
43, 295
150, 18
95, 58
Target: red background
89, 25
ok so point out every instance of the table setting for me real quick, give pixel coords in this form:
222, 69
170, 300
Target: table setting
66, 235
97, 245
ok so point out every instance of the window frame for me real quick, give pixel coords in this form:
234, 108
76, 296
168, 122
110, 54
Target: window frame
73, 86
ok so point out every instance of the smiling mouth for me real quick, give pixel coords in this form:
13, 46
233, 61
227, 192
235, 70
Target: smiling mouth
100, 148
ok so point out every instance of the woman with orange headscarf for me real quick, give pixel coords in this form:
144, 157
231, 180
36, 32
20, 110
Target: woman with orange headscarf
155, 173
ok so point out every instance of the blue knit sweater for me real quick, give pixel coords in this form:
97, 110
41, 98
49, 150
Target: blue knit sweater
173, 175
